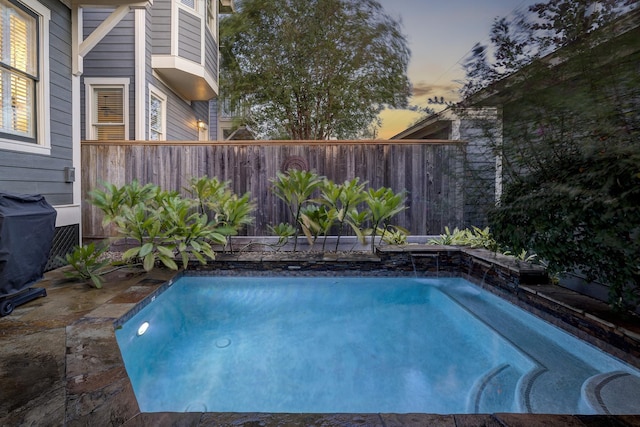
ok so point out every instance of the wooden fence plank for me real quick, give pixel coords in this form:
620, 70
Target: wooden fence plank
428, 170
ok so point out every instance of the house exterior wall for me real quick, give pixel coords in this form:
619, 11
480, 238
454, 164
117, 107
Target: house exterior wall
30, 173
159, 27
113, 57
48, 173
479, 175
189, 40
182, 116
214, 134
211, 55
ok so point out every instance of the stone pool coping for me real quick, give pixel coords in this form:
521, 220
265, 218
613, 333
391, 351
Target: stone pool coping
60, 363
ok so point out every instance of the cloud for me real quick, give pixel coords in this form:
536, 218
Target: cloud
423, 89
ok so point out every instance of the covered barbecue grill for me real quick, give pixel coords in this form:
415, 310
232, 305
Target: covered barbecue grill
27, 226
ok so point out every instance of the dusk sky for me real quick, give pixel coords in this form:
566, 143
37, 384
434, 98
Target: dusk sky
440, 34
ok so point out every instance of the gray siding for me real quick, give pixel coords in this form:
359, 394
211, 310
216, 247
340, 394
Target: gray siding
213, 119
189, 42
148, 73
114, 56
479, 169
161, 27
211, 54
181, 117
44, 174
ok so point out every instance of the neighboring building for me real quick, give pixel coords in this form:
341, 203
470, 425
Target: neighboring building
477, 130
116, 70
228, 119
607, 69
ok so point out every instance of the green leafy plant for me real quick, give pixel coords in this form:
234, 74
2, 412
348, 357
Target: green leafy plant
235, 212
317, 220
284, 232
481, 238
87, 264
342, 199
230, 211
295, 188
163, 224
112, 199
383, 204
455, 237
394, 235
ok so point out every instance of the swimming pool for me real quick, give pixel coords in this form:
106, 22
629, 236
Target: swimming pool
344, 344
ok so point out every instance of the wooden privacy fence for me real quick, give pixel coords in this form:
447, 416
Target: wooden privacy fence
429, 170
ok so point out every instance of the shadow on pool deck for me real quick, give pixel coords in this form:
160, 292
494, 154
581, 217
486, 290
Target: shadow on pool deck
60, 365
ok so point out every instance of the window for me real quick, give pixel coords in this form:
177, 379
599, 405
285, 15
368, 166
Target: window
211, 15
23, 76
189, 3
157, 115
107, 108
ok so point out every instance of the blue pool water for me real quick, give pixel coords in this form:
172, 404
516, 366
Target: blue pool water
338, 344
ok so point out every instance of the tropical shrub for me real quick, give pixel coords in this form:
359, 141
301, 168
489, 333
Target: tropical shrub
366, 212
295, 188
342, 200
230, 211
163, 224
87, 264
383, 204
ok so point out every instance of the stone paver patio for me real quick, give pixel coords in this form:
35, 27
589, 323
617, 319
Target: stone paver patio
60, 366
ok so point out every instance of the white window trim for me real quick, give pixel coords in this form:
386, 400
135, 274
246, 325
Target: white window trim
93, 82
43, 121
154, 91
200, 11
216, 17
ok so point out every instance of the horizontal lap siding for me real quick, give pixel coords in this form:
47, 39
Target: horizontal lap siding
189, 42
434, 197
161, 27
44, 174
211, 55
113, 56
480, 162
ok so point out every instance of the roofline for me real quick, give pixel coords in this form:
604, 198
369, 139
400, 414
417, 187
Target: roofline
427, 120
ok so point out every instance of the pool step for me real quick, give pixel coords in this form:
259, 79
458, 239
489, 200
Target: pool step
612, 393
494, 391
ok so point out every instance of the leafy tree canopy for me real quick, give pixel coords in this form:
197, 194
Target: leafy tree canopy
565, 77
543, 28
313, 69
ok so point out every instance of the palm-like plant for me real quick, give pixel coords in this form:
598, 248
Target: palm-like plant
343, 198
234, 213
295, 188
230, 211
383, 204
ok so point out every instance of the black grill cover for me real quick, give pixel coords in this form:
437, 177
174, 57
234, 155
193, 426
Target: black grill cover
27, 225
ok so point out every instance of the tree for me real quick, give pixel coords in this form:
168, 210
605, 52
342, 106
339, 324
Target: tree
555, 26
313, 69
565, 77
